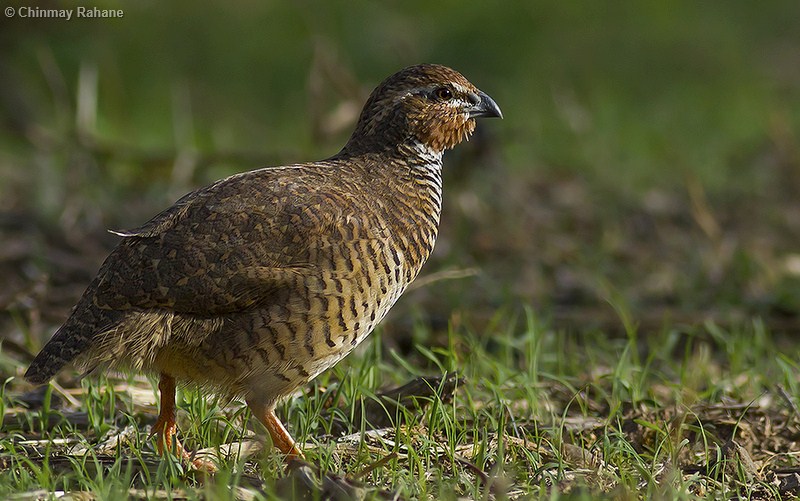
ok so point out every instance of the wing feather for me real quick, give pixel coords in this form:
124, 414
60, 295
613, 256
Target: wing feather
221, 249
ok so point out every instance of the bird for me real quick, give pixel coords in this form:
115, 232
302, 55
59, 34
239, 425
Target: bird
254, 285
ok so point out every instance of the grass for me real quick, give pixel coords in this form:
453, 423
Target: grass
539, 413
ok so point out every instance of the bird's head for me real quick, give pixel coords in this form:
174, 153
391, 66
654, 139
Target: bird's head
426, 106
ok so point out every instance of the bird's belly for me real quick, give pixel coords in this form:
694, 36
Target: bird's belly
343, 313
353, 330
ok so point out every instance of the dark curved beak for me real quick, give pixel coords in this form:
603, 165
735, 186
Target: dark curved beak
483, 106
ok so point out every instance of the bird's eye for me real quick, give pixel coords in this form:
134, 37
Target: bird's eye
443, 93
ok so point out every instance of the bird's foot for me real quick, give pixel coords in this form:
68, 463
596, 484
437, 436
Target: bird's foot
202, 465
165, 430
280, 436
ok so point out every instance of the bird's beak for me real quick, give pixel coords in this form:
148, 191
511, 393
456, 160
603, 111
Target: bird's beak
484, 106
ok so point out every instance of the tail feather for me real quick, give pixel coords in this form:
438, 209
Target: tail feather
70, 341
62, 349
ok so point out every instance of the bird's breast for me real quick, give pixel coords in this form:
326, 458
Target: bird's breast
365, 264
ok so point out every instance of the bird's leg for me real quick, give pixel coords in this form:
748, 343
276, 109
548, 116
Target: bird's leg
280, 437
165, 427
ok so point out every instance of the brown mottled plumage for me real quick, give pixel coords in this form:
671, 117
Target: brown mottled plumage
254, 285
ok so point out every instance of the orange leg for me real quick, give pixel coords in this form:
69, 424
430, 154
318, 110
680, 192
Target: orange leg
165, 427
280, 437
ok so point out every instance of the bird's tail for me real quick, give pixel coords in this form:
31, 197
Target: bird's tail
71, 340
62, 349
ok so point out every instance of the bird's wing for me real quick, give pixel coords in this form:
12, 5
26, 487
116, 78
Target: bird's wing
221, 249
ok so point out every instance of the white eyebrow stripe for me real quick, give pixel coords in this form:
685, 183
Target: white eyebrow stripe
460, 88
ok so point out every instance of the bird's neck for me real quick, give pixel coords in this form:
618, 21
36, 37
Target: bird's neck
414, 167
422, 153
409, 162
406, 148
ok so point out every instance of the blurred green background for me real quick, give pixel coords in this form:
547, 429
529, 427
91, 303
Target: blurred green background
648, 159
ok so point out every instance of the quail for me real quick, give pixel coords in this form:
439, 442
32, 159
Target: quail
254, 285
